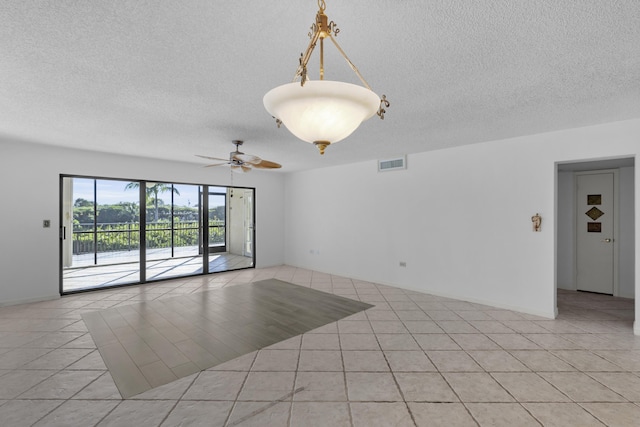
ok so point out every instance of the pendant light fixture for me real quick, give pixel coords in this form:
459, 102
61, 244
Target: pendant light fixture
323, 112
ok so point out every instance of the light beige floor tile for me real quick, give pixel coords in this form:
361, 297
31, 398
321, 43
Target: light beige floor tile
441, 414
355, 326
102, 388
397, 342
359, 342
409, 361
552, 342
490, 327
18, 357
412, 315
85, 341
364, 361
380, 414
266, 386
528, 387
580, 387
541, 361
562, 415
422, 326
474, 342
16, 382
477, 387
453, 361
435, 342
260, 414
497, 361
456, 327
77, 413
425, 387
513, 342
321, 342
501, 415
92, 361
628, 360
320, 414
388, 327
276, 360
137, 412
196, 413
614, 414
57, 359
586, 361
379, 387
61, 385
18, 413
623, 383
320, 386
320, 360
379, 314
216, 385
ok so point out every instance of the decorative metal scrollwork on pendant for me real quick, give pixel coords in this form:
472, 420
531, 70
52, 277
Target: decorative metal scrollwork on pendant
302, 70
383, 104
333, 28
278, 121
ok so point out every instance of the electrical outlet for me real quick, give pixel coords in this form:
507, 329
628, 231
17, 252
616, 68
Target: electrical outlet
403, 264
46, 223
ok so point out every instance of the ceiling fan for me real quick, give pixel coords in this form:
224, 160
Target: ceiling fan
240, 162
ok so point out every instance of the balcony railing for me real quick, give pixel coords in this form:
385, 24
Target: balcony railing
111, 237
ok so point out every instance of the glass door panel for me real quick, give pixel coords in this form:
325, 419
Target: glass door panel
100, 234
172, 230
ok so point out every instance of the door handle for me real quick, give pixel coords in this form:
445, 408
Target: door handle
607, 240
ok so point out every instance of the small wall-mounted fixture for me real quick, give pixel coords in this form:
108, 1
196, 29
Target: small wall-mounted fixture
46, 223
537, 222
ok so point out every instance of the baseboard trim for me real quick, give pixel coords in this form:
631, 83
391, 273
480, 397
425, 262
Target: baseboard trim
28, 300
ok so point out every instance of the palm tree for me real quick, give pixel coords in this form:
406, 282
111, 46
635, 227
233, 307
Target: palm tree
152, 191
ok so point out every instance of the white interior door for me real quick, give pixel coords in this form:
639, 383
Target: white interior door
595, 218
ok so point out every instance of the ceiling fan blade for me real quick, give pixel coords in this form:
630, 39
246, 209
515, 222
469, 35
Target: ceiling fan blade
215, 164
212, 158
266, 164
247, 158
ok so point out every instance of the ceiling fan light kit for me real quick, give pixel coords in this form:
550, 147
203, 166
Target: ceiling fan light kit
323, 112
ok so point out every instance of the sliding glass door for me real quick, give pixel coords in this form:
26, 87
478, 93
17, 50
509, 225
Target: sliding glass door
108, 240
100, 234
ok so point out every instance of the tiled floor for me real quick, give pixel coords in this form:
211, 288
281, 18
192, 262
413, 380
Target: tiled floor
413, 359
153, 343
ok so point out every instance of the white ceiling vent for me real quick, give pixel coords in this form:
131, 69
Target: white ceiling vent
392, 164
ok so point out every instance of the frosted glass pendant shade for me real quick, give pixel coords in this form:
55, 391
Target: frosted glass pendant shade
321, 110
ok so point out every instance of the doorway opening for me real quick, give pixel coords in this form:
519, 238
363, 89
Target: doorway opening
595, 239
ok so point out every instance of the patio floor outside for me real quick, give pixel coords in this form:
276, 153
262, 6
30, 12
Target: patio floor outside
123, 267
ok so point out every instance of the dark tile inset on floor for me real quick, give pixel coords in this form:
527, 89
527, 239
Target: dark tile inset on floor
149, 344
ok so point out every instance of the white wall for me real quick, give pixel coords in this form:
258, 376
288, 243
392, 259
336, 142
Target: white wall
460, 218
30, 175
566, 232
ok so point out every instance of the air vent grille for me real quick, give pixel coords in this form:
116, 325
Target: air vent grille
392, 164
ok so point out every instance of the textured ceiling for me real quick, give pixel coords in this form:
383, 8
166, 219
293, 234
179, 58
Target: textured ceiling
169, 79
